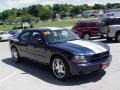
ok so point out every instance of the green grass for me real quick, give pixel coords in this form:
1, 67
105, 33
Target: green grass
62, 23
6, 28
56, 24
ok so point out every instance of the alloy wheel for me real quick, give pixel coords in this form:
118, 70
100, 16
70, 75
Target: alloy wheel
86, 36
58, 68
14, 54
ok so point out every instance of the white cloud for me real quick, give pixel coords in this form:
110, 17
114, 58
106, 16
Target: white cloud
8, 4
16, 4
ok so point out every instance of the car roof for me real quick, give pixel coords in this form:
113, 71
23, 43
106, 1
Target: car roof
113, 18
51, 28
87, 22
45, 28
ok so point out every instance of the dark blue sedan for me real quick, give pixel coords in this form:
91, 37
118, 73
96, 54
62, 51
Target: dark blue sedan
62, 50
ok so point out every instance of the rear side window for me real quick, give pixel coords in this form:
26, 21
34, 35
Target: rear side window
83, 24
93, 24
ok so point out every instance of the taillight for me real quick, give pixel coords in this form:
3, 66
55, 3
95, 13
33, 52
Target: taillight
108, 29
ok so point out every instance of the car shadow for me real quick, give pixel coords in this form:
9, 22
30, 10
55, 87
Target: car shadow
44, 73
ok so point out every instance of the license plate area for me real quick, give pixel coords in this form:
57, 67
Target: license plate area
104, 66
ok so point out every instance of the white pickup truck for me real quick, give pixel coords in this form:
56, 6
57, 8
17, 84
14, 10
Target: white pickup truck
110, 28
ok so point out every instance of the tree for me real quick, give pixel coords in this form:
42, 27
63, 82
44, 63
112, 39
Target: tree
99, 6
109, 5
28, 18
5, 14
75, 10
0, 16
57, 9
35, 10
12, 18
46, 14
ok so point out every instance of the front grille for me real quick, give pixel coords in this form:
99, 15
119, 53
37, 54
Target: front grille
100, 56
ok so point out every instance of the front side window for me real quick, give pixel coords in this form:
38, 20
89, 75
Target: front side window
34, 36
57, 36
25, 37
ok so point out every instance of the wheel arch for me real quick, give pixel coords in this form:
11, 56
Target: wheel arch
13, 46
61, 56
88, 32
117, 32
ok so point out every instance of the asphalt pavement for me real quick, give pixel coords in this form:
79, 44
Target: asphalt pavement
32, 76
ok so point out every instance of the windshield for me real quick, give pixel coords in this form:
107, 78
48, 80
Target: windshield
58, 36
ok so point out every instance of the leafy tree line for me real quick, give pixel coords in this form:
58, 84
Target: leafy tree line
40, 12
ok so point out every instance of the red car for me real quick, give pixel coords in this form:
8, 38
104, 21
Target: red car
86, 30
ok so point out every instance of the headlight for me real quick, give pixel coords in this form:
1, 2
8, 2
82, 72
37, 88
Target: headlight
82, 59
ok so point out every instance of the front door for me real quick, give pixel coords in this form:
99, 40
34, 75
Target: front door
36, 48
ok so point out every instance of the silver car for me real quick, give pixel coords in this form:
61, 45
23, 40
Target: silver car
110, 28
4, 36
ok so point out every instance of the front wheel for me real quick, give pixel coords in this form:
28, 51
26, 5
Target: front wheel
117, 37
60, 68
15, 55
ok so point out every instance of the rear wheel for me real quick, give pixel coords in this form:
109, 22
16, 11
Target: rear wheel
60, 68
86, 36
15, 55
117, 37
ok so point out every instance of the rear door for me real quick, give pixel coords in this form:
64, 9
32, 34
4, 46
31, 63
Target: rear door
23, 44
94, 28
83, 28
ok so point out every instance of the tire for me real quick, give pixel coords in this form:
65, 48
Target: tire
109, 39
15, 55
117, 37
60, 68
86, 36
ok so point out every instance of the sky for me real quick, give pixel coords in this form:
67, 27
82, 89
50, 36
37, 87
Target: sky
8, 4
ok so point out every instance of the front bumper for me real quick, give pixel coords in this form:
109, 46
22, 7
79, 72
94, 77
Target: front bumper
107, 35
87, 68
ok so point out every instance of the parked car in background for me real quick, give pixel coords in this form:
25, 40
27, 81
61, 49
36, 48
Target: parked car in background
110, 28
4, 36
86, 30
15, 33
62, 50
88, 13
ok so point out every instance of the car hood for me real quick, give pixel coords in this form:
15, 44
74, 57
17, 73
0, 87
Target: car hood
82, 47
